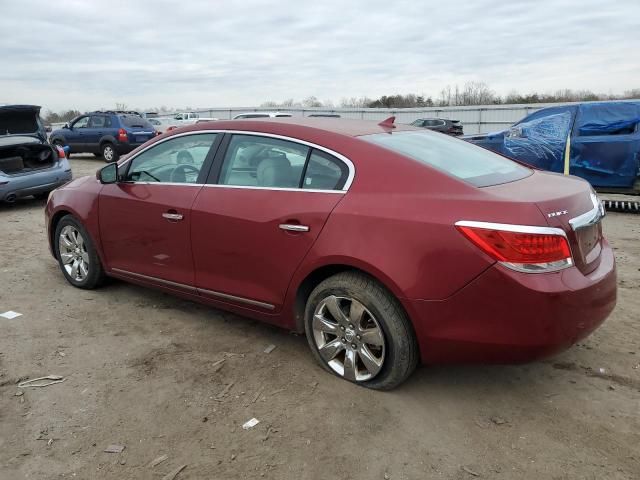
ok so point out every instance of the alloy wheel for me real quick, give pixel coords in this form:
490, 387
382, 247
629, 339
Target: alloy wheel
349, 338
107, 153
73, 253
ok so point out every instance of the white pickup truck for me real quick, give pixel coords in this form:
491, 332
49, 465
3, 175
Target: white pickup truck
189, 118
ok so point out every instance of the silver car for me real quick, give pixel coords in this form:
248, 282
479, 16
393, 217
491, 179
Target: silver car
29, 165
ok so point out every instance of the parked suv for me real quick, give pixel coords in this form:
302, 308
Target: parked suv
110, 133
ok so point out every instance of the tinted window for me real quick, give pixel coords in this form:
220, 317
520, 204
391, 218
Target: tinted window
178, 160
98, 121
135, 121
256, 161
283, 115
251, 115
455, 157
324, 172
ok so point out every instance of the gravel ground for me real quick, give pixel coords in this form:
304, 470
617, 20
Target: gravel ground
161, 376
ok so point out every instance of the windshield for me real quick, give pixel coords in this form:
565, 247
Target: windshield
453, 156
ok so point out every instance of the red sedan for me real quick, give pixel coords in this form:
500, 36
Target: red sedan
387, 245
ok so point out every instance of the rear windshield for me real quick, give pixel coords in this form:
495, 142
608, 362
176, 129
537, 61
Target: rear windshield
135, 121
453, 156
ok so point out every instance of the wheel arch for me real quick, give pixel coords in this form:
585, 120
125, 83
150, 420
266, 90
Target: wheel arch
321, 272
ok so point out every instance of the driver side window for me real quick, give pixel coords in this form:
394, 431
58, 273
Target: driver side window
178, 160
81, 123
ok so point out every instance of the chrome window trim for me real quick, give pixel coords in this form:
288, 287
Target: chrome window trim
192, 289
508, 227
342, 158
591, 217
284, 189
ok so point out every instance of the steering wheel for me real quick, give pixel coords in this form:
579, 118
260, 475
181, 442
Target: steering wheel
179, 174
184, 156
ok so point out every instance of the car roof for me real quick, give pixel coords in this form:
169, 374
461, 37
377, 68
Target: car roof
299, 126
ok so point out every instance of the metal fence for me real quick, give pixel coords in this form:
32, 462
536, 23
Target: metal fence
474, 119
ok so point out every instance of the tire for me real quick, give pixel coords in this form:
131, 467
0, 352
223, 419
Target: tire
41, 196
381, 345
81, 252
109, 152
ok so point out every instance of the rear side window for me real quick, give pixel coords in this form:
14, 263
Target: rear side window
453, 156
254, 161
324, 172
135, 121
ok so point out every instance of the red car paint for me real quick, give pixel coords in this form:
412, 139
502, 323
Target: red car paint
396, 223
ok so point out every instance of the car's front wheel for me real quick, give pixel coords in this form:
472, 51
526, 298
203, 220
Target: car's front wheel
76, 254
358, 330
109, 152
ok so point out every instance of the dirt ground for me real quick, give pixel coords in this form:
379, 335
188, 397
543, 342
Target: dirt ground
162, 376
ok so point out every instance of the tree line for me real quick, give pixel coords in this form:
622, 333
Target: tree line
472, 93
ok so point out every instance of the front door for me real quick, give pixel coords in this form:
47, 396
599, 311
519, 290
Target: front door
75, 136
256, 221
145, 220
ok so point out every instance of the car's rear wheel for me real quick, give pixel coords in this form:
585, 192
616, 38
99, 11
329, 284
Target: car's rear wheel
108, 152
76, 254
358, 331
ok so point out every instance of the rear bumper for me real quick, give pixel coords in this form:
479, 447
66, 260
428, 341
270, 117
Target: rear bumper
35, 183
508, 317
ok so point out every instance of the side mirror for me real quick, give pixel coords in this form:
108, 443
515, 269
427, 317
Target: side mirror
66, 125
108, 174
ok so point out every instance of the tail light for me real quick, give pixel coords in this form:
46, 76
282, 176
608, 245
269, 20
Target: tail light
520, 247
122, 135
60, 151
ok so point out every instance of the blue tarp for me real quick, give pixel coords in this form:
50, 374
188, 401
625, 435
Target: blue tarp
605, 141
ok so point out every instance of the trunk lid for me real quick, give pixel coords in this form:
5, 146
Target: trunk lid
23, 120
568, 203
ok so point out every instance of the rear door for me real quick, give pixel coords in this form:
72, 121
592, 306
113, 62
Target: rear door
265, 204
605, 144
94, 132
145, 220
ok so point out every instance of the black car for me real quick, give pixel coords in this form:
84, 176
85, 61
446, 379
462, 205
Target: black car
109, 133
450, 127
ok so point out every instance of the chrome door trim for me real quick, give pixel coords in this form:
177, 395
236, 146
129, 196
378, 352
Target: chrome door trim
191, 289
226, 296
591, 217
172, 216
345, 160
283, 189
293, 227
169, 283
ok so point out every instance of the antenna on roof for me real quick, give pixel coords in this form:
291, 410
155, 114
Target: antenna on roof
388, 123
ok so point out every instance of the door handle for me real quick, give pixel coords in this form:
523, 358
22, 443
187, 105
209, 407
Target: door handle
293, 227
173, 216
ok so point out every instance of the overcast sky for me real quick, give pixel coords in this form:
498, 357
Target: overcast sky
91, 54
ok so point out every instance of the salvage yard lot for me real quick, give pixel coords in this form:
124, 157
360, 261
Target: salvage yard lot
162, 376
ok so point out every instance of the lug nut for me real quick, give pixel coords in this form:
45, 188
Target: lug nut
351, 326
341, 328
354, 346
358, 337
343, 340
